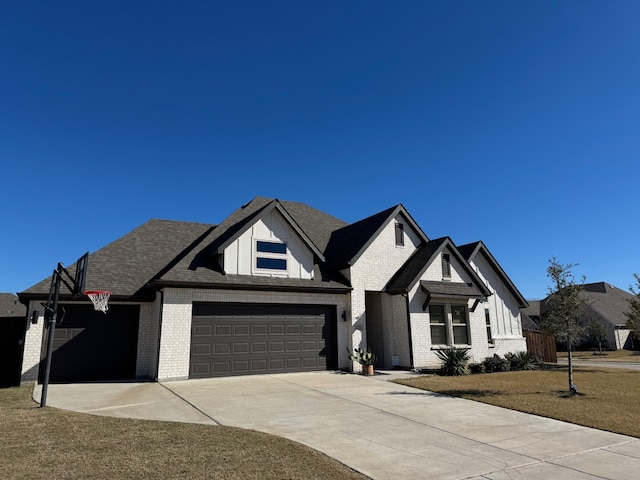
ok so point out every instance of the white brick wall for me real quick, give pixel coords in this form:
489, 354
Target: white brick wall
175, 339
372, 271
32, 344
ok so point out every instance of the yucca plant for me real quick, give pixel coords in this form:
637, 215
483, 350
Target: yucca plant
523, 361
455, 361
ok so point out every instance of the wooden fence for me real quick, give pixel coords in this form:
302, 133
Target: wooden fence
543, 346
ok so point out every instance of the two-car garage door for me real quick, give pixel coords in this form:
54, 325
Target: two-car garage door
245, 339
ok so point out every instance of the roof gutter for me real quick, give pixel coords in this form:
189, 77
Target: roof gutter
269, 288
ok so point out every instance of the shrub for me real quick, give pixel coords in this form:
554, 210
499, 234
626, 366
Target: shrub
496, 364
477, 367
455, 361
523, 361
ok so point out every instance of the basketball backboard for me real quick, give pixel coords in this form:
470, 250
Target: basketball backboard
81, 275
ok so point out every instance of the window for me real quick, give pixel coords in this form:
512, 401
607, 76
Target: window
446, 266
487, 319
459, 322
449, 324
438, 323
399, 234
271, 255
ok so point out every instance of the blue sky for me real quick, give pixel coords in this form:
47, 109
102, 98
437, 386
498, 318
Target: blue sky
515, 123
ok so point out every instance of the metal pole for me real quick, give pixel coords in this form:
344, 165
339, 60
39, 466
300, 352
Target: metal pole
53, 314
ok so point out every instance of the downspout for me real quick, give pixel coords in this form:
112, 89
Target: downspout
405, 294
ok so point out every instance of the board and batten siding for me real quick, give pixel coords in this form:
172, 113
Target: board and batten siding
504, 311
239, 256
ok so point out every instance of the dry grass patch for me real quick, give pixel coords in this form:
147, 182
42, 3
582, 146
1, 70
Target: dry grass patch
629, 356
608, 398
50, 443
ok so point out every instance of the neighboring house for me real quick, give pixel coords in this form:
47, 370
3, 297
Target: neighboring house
606, 304
278, 286
13, 320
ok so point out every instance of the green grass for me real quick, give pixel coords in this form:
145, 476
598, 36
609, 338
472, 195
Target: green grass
39, 443
607, 399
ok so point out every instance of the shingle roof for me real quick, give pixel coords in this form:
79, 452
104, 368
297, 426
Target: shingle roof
347, 244
10, 307
200, 266
128, 264
471, 250
452, 289
417, 264
608, 301
604, 300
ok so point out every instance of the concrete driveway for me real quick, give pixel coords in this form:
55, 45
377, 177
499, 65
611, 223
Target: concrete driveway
384, 430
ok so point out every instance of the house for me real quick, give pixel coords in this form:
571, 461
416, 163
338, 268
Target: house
607, 305
13, 322
278, 286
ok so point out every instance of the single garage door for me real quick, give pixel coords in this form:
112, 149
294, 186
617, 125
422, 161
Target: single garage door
246, 339
92, 346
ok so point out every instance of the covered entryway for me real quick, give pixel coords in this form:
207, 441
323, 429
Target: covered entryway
245, 339
93, 346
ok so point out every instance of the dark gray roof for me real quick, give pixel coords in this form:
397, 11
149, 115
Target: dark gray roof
201, 266
10, 306
348, 243
417, 264
470, 251
452, 289
126, 266
533, 310
604, 301
608, 302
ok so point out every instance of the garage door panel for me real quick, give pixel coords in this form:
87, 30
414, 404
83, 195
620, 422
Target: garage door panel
275, 338
92, 346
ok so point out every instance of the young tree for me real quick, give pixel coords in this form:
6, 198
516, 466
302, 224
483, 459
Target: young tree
633, 315
597, 333
564, 310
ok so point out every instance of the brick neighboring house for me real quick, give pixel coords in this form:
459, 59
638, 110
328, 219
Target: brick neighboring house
13, 322
278, 286
606, 304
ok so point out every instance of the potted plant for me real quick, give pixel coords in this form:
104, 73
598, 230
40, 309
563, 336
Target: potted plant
366, 359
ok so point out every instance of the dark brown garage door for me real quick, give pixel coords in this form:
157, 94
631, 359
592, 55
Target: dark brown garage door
92, 346
246, 339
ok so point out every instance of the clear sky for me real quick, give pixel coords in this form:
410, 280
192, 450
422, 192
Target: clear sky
515, 123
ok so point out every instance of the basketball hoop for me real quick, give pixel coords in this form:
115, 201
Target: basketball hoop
99, 299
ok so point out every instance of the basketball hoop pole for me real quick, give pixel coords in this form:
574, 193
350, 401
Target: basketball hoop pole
51, 317
51, 312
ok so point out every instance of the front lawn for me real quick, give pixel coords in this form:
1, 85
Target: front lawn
50, 443
607, 398
629, 356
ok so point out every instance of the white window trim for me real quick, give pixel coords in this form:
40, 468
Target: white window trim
280, 256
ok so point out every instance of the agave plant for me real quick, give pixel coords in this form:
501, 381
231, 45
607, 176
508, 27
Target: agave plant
455, 361
523, 361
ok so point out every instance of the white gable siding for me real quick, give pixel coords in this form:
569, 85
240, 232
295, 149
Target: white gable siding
504, 312
372, 271
239, 256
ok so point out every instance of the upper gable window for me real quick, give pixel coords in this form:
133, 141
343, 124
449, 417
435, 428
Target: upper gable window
446, 266
271, 256
399, 234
